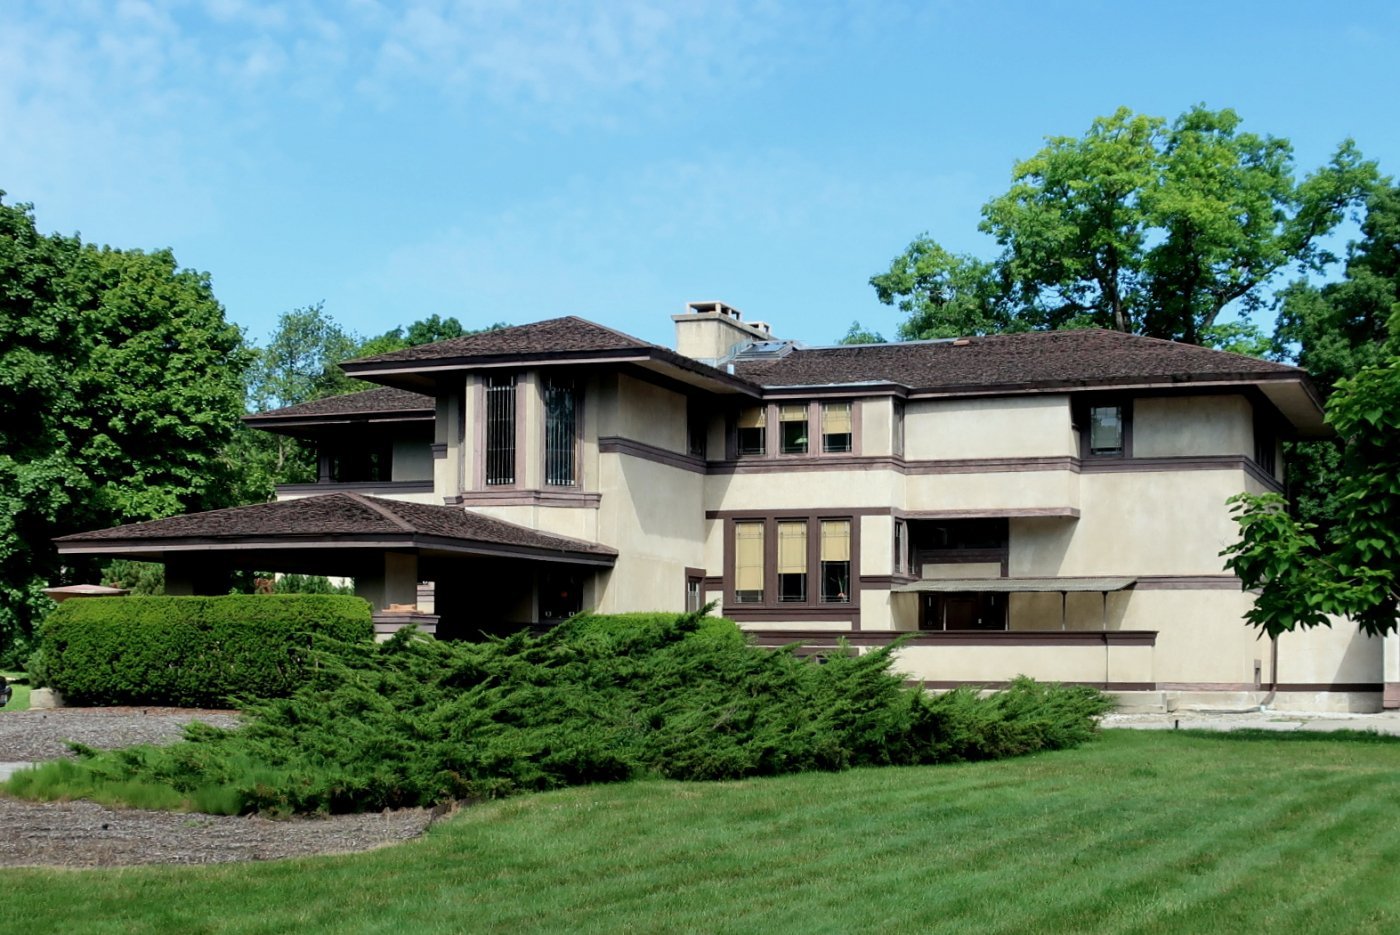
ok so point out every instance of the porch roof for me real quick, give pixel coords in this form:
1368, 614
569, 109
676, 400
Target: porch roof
335, 522
1015, 585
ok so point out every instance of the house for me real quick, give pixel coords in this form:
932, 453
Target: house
1048, 503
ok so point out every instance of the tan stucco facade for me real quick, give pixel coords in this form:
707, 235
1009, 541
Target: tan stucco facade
1153, 513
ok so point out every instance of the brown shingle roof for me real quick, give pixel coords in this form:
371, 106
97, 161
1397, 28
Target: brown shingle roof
1012, 361
569, 334
335, 515
385, 400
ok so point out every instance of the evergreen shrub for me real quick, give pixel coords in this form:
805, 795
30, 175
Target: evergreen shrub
192, 651
417, 721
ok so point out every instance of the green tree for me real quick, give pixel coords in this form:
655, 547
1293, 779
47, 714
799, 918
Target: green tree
1139, 226
858, 334
945, 295
1335, 331
120, 383
1304, 575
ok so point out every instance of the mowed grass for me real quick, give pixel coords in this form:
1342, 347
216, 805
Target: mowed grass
19, 699
1136, 832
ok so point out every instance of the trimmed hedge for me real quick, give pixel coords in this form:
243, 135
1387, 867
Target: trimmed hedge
191, 651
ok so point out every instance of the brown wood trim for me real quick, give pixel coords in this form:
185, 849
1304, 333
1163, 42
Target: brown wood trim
885, 581
799, 464
694, 572
614, 444
783, 613
1167, 463
960, 637
713, 583
378, 487
1330, 687
439, 450
1187, 583
837, 512
1209, 687
1252, 468
991, 465
519, 496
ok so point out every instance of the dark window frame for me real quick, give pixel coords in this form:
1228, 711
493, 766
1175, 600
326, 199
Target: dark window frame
561, 447
770, 597
1083, 423
500, 432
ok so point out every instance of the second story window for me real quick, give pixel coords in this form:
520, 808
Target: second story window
1105, 430
560, 435
836, 427
753, 430
500, 430
793, 428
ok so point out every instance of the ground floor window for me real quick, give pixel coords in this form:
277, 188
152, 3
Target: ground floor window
791, 560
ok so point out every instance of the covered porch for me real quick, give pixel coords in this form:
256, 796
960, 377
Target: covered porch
489, 576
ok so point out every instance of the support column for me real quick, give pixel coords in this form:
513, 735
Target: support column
1390, 656
393, 595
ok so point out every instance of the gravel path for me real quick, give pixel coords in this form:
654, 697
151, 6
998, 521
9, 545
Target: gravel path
84, 834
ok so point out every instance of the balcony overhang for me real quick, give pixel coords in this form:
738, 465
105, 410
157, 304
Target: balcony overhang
1015, 585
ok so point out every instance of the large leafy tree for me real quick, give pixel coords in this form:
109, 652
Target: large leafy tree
1304, 575
1335, 331
1140, 225
120, 384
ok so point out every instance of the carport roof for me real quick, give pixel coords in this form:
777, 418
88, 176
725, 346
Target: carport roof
335, 521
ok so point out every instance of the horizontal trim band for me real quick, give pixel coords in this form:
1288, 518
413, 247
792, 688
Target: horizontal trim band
940, 684
512, 496
614, 444
376, 487
958, 637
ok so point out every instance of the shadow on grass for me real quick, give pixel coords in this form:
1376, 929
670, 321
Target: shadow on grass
1251, 734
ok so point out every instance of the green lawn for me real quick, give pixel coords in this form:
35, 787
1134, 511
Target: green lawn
19, 700
1137, 832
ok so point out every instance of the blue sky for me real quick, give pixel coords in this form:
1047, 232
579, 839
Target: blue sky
518, 161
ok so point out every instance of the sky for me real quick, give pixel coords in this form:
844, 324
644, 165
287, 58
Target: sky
515, 161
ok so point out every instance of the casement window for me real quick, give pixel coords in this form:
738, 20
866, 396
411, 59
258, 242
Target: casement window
694, 593
753, 430
901, 547
1265, 445
1105, 428
560, 431
500, 430
836, 561
897, 445
748, 562
836, 427
792, 428
792, 561
364, 463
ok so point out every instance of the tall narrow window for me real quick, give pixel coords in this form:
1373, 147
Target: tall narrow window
792, 560
793, 428
753, 430
836, 427
900, 537
836, 561
500, 429
560, 424
748, 563
1106, 430
899, 428
697, 427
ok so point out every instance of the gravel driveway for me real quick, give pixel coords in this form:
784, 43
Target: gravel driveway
83, 834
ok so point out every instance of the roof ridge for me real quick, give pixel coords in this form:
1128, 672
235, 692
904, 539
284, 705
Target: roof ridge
610, 330
381, 508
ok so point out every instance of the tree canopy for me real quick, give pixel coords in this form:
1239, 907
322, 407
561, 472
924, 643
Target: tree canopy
1140, 225
120, 384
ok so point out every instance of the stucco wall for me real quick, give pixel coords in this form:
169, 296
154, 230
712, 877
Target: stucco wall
1167, 426
1008, 427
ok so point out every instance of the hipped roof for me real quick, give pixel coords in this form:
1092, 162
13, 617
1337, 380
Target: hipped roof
336, 520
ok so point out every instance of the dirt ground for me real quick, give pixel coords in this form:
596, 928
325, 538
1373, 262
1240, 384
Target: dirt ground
84, 834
